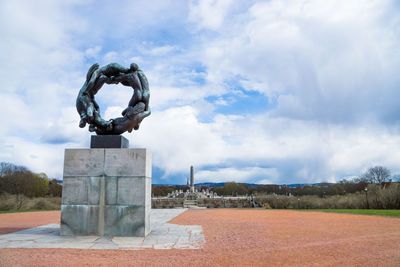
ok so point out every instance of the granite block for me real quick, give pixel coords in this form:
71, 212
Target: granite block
75, 190
120, 220
131, 190
108, 141
111, 190
84, 162
127, 162
94, 190
79, 220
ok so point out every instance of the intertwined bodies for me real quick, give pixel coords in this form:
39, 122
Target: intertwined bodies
114, 73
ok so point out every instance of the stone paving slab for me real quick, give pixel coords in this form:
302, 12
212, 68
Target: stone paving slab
163, 235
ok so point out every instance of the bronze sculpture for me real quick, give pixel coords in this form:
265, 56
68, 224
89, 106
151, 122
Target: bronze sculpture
113, 73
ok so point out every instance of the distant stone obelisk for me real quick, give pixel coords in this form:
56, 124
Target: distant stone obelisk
191, 180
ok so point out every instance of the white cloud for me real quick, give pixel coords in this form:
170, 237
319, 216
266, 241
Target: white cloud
221, 101
324, 58
210, 14
178, 140
16, 114
298, 151
329, 70
93, 52
136, 59
36, 156
162, 50
237, 174
113, 112
64, 129
110, 56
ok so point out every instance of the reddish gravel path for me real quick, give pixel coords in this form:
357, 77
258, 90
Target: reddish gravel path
252, 238
12, 222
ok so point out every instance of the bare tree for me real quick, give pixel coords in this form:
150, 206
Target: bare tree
7, 168
376, 175
20, 200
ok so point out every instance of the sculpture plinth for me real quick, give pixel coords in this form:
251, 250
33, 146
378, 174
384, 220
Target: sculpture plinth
108, 141
106, 191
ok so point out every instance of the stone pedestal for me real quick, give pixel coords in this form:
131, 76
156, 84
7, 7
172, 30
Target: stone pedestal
106, 192
108, 141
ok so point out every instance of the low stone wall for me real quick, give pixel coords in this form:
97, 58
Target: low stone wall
230, 202
166, 203
224, 203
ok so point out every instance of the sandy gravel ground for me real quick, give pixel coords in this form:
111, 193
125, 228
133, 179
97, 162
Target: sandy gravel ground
241, 238
12, 222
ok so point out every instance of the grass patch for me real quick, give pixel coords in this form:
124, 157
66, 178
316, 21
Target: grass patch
389, 213
17, 211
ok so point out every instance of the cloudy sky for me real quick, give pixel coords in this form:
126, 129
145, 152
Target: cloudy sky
246, 91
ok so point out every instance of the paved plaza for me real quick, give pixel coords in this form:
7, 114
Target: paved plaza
227, 237
163, 236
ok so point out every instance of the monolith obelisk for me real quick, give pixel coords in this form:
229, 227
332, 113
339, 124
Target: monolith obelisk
191, 179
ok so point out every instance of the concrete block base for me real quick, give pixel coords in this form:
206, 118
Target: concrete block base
106, 192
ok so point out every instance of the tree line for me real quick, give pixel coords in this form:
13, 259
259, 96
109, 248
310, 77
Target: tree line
15, 179
19, 180
378, 175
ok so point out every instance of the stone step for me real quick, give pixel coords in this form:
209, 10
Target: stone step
188, 203
196, 208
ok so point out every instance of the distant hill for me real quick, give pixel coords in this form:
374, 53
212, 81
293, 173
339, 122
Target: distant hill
209, 185
212, 185
168, 185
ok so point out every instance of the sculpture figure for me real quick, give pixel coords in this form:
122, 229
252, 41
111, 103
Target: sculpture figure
138, 107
